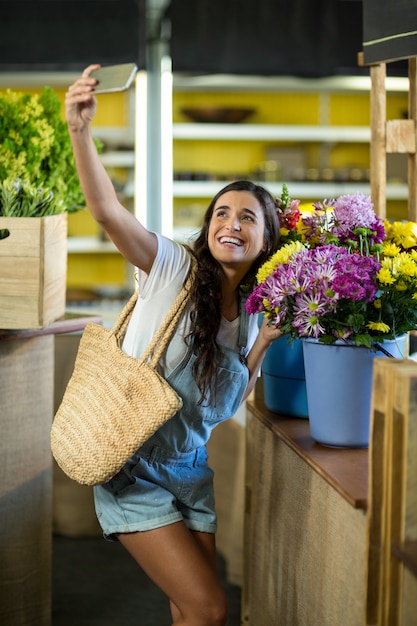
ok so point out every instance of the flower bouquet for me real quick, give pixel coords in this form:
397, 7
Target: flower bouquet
344, 283
347, 275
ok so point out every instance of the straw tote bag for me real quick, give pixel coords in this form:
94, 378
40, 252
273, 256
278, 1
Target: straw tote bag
113, 402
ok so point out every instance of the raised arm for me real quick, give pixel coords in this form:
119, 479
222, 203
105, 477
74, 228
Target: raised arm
135, 242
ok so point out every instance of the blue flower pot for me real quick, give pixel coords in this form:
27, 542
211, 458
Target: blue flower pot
339, 389
284, 378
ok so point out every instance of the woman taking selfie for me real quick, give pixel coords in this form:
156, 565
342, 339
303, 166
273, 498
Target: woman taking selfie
160, 506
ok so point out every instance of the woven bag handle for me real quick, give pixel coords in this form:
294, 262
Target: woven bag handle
122, 321
165, 330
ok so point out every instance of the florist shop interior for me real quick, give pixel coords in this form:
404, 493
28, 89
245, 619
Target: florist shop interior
315, 478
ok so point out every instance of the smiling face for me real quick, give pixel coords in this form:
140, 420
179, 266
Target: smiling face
236, 231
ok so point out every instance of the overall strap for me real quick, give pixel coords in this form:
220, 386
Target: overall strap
244, 326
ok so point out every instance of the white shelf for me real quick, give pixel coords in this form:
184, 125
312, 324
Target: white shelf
319, 191
249, 132
118, 158
92, 245
272, 132
86, 245
233, 82
117, 136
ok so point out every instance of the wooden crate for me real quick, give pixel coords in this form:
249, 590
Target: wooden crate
392, 501
33, 271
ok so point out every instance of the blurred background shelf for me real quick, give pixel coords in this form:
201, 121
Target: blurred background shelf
90, 245
300, 190
272, 132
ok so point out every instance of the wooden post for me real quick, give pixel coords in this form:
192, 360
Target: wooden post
378, 130
395, 136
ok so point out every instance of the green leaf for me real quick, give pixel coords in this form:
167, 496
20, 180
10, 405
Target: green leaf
363, 340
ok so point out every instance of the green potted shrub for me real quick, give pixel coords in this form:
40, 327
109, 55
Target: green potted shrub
35, 147
38, 187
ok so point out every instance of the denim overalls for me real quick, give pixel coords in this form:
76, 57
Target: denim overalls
168, 478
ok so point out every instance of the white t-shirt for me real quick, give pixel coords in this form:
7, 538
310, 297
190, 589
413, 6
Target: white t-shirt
157, 292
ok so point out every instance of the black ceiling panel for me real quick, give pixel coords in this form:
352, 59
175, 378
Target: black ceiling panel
309, 38
70, 34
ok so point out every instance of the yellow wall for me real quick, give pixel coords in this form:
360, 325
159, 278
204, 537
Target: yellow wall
95, 270
88, 270
237, 157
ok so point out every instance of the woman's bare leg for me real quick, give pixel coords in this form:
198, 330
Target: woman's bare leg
207, 544
183, 565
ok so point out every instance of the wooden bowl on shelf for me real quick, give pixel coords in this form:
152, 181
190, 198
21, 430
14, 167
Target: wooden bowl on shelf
217, 115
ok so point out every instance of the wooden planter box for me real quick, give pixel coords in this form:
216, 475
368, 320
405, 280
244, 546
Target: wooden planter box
33, 271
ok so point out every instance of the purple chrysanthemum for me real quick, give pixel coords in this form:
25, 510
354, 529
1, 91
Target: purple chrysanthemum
356, 278
356, 211
315, 292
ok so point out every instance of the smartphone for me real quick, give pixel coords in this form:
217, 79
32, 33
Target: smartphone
114, 77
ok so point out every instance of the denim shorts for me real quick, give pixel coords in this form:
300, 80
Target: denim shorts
156, 488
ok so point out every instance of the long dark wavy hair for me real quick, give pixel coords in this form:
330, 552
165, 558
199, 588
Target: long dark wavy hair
206, 294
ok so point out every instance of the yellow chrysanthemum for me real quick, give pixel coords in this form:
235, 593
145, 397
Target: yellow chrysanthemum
391, 263
409, 270
379, 327
280, 257
265, 302
404, 234
390, 249
384, 276
301, 230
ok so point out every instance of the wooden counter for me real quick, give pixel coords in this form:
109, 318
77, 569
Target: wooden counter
27, 396
346, 470
305, 526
